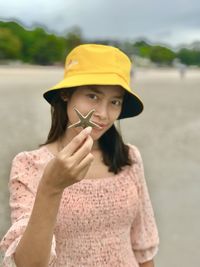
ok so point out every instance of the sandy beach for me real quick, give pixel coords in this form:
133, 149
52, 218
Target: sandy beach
167, 134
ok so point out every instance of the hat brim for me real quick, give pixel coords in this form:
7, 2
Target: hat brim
132, 105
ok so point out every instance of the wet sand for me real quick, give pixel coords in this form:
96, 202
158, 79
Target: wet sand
167, 134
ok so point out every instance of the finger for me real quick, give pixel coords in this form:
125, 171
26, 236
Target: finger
76, 142
84, 166
83, 151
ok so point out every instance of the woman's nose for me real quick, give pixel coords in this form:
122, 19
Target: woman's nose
101, 111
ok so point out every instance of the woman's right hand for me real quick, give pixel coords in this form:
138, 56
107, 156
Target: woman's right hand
71, 163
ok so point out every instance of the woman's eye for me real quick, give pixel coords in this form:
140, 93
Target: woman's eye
117, 102
92, 96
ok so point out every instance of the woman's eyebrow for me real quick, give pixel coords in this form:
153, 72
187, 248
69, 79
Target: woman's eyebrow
95, 90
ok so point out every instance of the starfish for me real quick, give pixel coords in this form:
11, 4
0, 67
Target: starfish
84, 120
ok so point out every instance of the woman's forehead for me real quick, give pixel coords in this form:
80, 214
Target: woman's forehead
105, 89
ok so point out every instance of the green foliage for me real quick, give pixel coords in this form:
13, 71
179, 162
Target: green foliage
158, 54
46, 49
20, 33
143, 48
189, 57
10, 45
36, 46
73, 38
162, 55
145, 51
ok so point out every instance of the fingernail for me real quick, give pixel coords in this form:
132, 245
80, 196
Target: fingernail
88, 129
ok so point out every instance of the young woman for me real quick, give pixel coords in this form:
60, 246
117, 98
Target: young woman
81, 199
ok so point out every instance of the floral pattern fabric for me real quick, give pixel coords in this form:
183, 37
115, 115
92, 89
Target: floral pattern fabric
101, 222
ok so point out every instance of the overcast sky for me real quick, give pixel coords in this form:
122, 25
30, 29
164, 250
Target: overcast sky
171, 21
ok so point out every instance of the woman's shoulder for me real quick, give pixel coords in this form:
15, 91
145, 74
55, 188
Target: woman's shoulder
28, 166
134, 152
30, 156
137, 168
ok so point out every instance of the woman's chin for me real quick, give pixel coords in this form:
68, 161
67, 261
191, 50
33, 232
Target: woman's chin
97, 133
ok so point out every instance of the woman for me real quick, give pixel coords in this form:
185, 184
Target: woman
81, 199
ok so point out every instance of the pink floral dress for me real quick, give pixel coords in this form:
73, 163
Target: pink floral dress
101, 222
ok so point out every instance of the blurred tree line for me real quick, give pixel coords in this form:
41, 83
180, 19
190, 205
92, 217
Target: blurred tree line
36, 46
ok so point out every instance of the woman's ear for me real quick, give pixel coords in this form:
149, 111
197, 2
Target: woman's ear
64, 96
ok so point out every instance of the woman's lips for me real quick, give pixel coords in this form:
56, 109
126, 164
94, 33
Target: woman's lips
101, 125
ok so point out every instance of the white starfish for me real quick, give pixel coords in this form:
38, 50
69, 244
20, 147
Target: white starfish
84, 120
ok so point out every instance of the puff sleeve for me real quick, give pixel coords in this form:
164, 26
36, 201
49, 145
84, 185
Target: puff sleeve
144, 232
22, 187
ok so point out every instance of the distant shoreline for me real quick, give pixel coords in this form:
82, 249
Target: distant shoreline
59, 66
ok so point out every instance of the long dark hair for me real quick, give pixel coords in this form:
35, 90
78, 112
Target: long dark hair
115, 152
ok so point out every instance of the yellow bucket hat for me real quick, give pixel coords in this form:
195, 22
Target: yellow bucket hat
94, 64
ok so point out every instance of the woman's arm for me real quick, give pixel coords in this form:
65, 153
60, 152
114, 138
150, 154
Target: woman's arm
68, 167
144, 233
35, 246
147, 264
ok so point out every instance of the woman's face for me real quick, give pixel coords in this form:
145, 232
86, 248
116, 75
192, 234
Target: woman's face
106, 100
